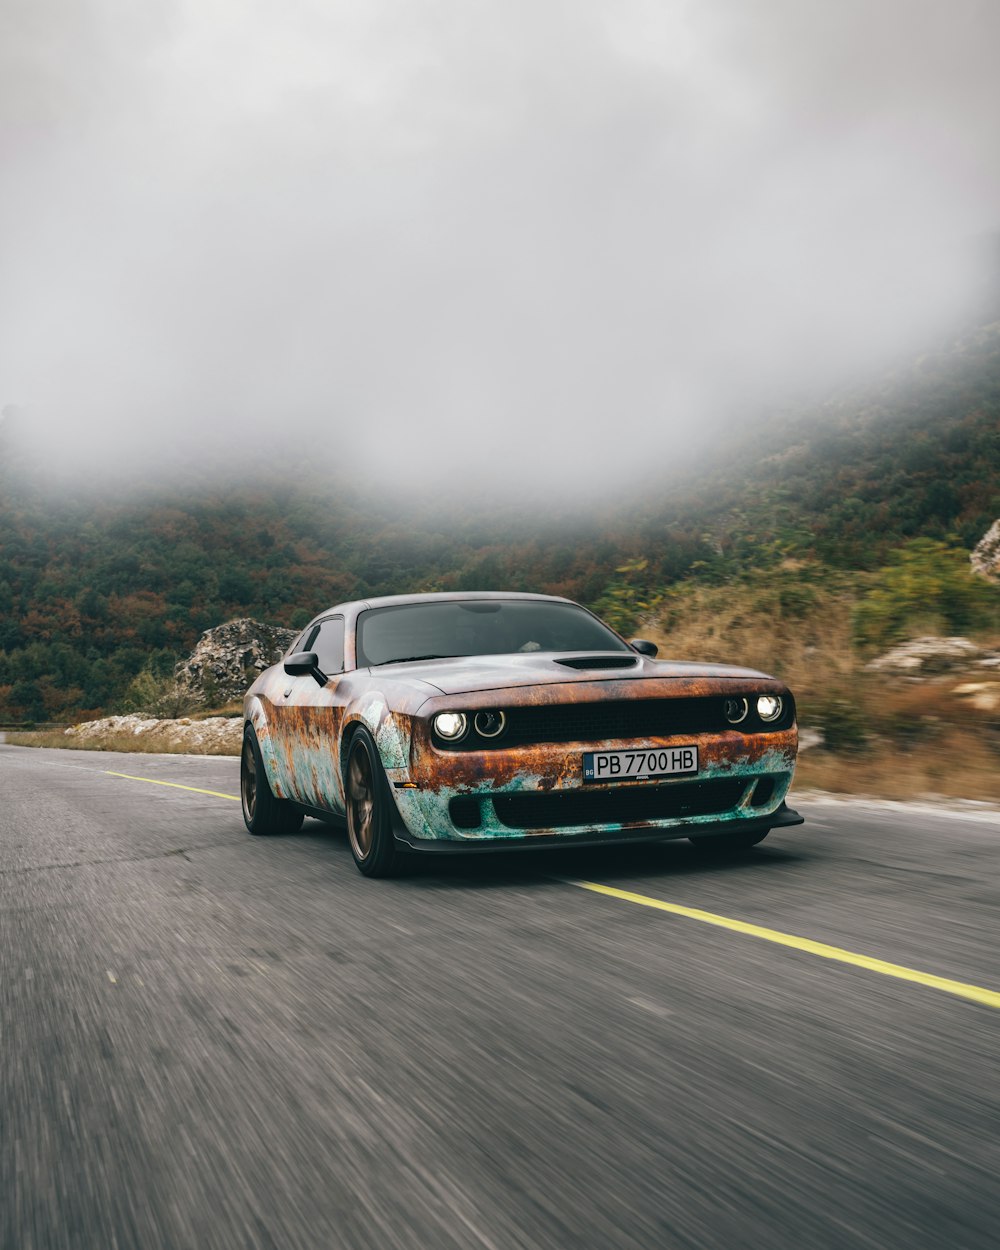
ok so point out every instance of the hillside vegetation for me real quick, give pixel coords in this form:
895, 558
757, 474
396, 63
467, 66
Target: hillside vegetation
817, 539
882, 734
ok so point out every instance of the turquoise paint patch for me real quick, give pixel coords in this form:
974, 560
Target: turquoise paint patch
410, 806
426, 812
371, 708
773, 761
392, 737
255, 714
320, 771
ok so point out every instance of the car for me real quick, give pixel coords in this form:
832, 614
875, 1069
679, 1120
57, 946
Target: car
485, 721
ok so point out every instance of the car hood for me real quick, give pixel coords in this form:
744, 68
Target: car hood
466, 674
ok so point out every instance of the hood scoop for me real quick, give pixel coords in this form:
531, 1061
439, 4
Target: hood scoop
600, 661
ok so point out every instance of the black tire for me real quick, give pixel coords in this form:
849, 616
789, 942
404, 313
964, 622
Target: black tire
730, 843
263, 814
369, 809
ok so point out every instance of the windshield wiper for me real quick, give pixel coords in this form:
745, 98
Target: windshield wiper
407, 659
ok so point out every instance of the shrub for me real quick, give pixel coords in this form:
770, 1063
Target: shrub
626, 599
843, 724
928, 587
155, 695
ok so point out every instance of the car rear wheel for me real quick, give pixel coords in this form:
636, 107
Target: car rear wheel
730, 843
263, 814
369, 812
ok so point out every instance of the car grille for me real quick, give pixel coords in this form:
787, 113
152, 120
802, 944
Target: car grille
598, 722
621, 720
619, 807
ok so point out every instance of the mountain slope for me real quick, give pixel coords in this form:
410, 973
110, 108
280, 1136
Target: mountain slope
93, 589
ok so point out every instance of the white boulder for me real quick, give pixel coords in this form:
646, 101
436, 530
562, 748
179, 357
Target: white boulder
929, 656
985, 557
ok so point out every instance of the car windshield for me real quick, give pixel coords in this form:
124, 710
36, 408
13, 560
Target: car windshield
455, 627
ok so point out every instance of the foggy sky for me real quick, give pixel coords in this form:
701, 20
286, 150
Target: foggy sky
549, 237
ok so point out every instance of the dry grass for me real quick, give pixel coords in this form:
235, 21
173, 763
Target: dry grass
162, 742
891, 737
734, 624
231, 710
958, 765
142, 744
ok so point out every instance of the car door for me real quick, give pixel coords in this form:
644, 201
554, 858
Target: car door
309, 721
281, 704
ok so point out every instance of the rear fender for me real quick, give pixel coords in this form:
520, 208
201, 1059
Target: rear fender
255, 715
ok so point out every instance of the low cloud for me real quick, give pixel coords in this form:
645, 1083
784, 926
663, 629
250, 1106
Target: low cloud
555, 240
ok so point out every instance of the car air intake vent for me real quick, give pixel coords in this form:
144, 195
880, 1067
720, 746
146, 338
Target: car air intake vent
629, 806
600, 661
614, 720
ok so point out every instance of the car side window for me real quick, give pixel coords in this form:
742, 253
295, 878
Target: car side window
329, 645
305, 640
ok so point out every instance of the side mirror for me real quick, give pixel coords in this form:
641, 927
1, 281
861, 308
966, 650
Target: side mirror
303, 662
644, 647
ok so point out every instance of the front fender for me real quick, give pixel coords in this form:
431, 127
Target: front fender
389, 729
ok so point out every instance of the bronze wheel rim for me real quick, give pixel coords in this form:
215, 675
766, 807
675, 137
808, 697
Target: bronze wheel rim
248, 780
360, 802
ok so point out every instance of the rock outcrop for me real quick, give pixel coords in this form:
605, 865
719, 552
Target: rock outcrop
215, 735
985, 557
228, 658
929, 657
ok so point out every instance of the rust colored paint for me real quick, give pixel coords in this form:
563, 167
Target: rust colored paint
442, 775
304, 728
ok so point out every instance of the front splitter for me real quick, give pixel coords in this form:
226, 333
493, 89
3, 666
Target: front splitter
782, 818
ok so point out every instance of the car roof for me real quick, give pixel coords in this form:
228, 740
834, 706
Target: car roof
392, 601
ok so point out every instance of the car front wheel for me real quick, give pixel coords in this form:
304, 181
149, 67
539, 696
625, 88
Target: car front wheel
263, 814
369, 815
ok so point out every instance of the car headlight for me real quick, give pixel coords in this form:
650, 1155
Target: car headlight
769, 707
735, 710
451, 725
490, 723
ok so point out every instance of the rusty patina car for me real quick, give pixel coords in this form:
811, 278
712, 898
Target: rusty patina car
489, 721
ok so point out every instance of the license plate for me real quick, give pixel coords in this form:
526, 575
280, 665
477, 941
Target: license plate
639, 765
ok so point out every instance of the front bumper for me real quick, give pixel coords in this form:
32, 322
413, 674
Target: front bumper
536, 795
784, 816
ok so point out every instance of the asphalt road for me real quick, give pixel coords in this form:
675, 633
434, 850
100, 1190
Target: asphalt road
209, 1040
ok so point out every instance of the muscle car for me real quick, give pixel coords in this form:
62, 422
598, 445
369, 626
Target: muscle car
490, 721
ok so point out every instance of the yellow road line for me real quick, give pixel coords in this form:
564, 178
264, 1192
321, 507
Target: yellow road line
154, 781
988, 998
975, 993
